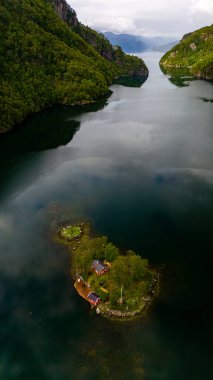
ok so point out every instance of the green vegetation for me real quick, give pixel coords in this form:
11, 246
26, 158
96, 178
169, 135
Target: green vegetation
193, 54
127, 282
129, 279
44, 62
128, 65
70, 232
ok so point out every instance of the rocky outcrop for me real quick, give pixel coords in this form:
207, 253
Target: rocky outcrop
185, 36
97, 40
107, 312
173, 54
142, 310
66, 13
193, 46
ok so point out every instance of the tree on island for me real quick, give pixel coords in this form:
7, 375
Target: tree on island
129, 278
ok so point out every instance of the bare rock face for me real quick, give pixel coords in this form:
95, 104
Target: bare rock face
66, 13
173, 54
186, 36
193, 46
204, 36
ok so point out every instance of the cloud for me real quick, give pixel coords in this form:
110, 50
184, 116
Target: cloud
203, 6
145, 17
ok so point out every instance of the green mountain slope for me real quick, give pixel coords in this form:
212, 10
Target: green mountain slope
44, 62
128, 65
194, 53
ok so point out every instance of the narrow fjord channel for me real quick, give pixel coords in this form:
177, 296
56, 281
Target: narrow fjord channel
139, 167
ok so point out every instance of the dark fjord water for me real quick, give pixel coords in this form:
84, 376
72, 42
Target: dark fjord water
140, 169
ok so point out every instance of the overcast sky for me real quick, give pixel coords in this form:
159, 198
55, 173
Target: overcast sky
145, 17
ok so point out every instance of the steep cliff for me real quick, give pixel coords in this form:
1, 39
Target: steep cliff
65, 12
43, 61
128, 65
194, 53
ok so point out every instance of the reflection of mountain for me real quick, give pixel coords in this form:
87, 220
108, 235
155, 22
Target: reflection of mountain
135, 44
135, 81
181, 81
179, 78
22, 146
46, 130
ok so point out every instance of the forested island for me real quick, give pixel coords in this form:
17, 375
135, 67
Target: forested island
119, 285
48, 57
193, 55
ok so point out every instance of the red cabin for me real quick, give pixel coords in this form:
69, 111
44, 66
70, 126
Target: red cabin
99, 268
93, 298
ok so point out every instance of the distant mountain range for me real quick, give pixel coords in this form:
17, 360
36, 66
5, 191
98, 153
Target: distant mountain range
166, 47
136, 44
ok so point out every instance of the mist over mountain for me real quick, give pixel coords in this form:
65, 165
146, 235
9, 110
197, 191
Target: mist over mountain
164, 48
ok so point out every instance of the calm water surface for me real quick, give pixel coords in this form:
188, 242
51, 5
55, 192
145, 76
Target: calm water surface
139, 166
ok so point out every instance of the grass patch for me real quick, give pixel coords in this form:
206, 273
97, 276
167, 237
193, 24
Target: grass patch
70, 232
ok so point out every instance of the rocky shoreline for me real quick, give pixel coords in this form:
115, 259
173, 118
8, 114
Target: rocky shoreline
105, 311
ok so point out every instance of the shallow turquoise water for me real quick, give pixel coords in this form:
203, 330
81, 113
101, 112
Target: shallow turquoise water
139, 167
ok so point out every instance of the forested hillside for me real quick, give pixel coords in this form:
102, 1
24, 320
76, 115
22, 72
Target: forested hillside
194, 53
43, 61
